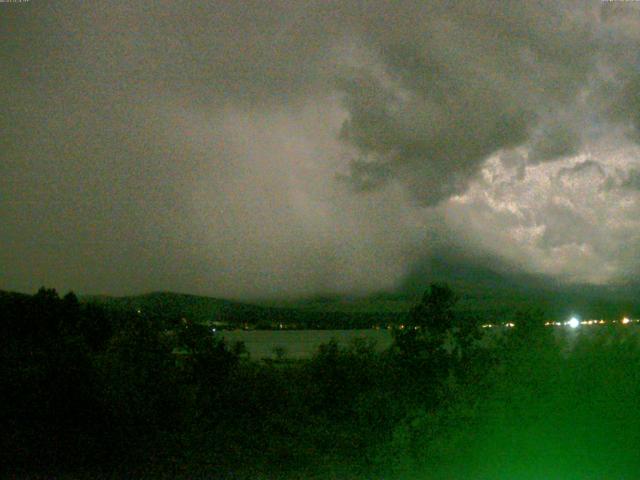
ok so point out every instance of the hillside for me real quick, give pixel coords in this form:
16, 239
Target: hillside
171, 306
491, 289
497, 300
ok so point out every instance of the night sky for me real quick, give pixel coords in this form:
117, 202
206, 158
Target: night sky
267, 148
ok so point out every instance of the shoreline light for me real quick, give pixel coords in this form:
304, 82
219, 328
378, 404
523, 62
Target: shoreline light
573, 322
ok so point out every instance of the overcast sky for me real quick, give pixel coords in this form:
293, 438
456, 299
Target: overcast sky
269, 148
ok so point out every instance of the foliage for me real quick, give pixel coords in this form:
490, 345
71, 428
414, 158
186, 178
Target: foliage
129, 394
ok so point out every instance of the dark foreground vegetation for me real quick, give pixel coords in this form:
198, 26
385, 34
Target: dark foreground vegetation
88, 392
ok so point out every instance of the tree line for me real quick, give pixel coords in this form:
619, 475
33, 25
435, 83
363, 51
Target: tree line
93, 391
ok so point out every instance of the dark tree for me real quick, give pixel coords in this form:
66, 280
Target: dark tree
434, 313
427, 325
95, 326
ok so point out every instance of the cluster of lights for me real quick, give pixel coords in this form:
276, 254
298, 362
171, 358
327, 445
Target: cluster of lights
491, 325
573, 323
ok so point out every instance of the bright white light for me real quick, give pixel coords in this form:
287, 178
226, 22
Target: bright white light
573, 322
625, 320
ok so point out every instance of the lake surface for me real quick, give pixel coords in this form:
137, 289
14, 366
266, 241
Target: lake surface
300, 343
304, 343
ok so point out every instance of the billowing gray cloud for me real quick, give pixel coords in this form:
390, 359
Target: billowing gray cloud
438, 94
280, 148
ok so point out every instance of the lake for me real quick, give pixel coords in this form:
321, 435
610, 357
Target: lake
304, 343
300, 343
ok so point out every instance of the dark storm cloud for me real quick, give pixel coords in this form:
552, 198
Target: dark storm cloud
448, 86
266, 148
553, 142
